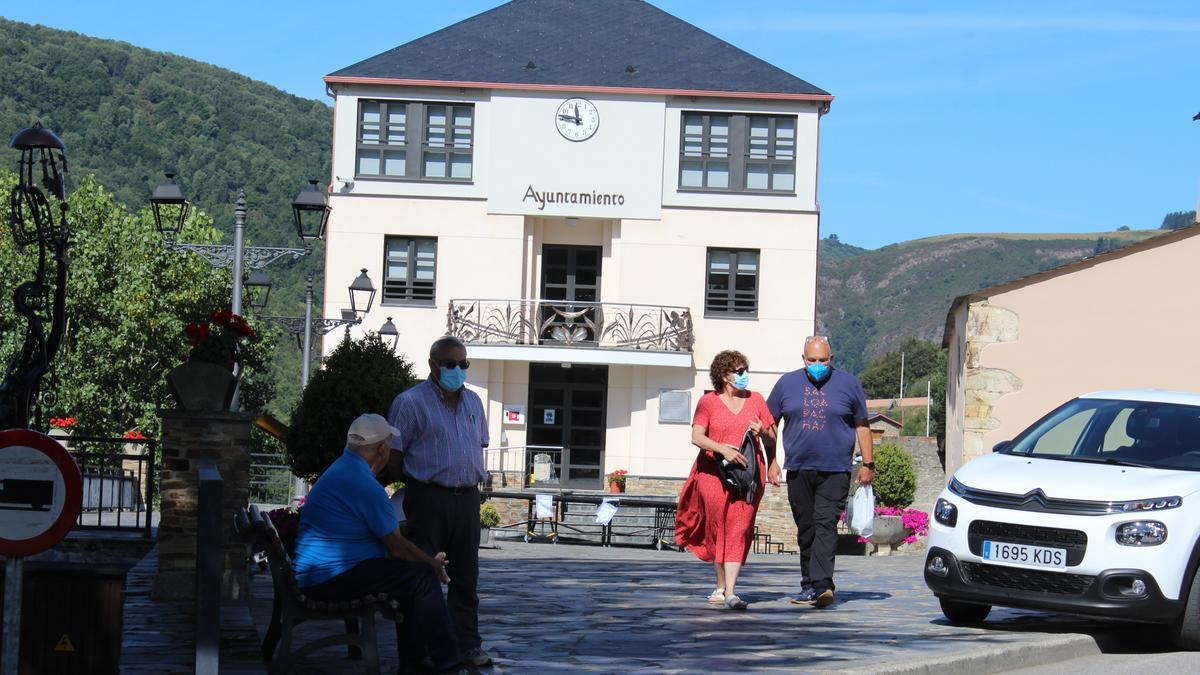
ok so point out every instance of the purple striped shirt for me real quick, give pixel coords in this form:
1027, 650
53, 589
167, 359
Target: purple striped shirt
441, 444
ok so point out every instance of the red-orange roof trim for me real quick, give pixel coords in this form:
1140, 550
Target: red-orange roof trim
512, 86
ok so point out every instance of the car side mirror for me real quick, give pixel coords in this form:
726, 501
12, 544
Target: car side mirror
999, 447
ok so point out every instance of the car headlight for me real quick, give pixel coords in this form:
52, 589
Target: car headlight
1149, 504
957, 487
1141, 533
945, 513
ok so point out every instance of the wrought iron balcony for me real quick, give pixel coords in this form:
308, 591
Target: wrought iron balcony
560, 323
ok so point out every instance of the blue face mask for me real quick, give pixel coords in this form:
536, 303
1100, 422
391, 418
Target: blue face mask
817, 371
741, 381
452, 379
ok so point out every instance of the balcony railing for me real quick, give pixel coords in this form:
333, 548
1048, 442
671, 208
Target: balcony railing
596, 325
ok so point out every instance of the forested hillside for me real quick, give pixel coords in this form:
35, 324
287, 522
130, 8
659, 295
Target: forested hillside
871, 302
128, 114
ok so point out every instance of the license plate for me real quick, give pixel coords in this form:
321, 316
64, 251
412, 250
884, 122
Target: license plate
1024, 554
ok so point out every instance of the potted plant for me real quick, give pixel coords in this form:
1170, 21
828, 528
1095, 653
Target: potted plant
489, 517
287, 523
207, 380
895, 486
616, 480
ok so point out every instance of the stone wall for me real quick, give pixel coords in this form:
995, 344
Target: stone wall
187, 437
931, 477
986, 325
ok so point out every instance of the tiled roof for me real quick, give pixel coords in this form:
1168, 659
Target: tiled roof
580, 43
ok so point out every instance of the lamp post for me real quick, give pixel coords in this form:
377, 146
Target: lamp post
304, 328
42, 303
310, 212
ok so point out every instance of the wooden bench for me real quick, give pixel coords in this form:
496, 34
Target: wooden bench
291, 606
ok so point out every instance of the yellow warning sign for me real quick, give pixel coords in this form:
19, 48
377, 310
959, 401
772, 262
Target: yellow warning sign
64, 644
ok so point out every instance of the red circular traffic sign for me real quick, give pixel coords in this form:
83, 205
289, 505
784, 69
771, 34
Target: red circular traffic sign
41, 492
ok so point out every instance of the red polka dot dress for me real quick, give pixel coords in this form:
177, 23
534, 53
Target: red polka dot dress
713, 522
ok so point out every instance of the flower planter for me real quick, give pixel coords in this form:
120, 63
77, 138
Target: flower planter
615, 487
485, 536
199, 386
889, 530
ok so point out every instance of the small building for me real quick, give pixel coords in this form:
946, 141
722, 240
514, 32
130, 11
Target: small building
1124, 318
884, 427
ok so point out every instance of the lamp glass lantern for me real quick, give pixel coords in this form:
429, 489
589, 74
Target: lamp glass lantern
390, 335
259, 286
311, 209
362, 294
30, 217
170, 207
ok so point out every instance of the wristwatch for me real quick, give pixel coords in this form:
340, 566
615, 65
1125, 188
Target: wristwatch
869, 465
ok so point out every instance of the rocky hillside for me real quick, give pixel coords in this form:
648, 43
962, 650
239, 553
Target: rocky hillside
871, 301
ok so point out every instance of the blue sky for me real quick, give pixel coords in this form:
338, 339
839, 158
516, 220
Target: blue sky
949, 117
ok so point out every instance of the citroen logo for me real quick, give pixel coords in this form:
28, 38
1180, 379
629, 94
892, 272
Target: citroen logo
1035, 495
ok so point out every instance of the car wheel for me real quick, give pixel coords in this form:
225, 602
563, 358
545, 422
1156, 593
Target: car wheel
1185, 632
964, 612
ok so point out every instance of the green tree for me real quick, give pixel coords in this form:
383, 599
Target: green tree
922, 359
360, 376
850, 337
1177, 220
895, 478
128, 299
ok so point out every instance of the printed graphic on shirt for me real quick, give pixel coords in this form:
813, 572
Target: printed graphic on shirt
814, 409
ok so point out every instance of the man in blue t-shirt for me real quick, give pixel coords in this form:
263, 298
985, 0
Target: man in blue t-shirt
823, 411
350, 545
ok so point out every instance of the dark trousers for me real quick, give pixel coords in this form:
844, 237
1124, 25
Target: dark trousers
817, 499
442, 520
426, 628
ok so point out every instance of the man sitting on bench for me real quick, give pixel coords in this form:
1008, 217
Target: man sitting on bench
350, 545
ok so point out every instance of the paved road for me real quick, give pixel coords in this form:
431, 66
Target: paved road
1174, 663
551, 608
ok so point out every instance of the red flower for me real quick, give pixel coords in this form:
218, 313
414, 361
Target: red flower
135, 435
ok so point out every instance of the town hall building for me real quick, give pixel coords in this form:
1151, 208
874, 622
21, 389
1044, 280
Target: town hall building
596, 197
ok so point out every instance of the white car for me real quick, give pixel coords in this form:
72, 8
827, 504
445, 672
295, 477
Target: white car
1093, 510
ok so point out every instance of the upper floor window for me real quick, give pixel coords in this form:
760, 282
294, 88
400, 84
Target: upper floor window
415, 140
409, 270
737, 153
732, 282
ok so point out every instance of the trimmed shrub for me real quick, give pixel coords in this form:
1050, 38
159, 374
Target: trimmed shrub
360, 376
488, 516
895, 478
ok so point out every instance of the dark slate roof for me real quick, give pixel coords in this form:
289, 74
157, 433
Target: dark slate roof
580, 43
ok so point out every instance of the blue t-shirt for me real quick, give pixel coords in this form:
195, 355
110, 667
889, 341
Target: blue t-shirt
818, 419
343, 522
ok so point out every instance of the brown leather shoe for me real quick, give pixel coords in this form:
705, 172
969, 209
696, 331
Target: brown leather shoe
825, 599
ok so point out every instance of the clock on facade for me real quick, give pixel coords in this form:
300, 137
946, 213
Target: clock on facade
577, 119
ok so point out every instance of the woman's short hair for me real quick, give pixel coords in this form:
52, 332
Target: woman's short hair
723, 363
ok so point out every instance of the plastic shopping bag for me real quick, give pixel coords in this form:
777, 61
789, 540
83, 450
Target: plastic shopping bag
860, 512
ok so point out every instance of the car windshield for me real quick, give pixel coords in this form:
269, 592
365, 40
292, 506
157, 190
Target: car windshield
1136, 433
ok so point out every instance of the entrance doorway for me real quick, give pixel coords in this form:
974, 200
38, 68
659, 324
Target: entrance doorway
570, 275
568, 409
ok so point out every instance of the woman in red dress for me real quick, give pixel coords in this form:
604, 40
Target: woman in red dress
713, 522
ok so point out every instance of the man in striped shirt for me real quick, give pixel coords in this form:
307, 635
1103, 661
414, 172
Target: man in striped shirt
443, 432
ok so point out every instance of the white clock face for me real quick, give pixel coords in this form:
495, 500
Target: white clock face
577, 119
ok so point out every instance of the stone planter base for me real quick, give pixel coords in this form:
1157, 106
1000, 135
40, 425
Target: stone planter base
202, 387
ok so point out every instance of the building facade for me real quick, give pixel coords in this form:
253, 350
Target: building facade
1114, 321
597, 197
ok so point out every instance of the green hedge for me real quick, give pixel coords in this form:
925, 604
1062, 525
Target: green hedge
895, 478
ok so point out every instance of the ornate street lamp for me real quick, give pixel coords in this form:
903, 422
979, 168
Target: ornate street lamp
311, 211
388, 332
42, 301
362, 294
170, 207
259, 285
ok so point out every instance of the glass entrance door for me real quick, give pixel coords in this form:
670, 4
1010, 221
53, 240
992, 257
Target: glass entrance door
570, 275
567, 409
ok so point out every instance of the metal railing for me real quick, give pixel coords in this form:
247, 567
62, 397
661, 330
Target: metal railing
271, 480
596, 325
118, 486
539, 466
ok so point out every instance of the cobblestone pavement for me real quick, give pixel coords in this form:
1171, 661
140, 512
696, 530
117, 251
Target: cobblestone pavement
553, 608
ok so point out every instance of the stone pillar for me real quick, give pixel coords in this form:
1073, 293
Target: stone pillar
187, 437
